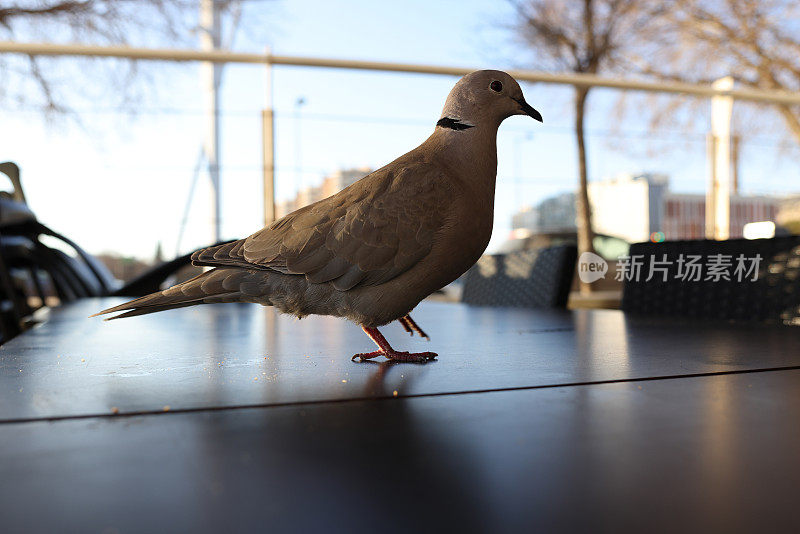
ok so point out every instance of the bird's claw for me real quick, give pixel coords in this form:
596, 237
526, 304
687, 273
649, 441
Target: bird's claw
364, 356
395, 356
418, 357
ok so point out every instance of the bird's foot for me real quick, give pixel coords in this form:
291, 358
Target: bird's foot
395, 356
387, 350
411, 326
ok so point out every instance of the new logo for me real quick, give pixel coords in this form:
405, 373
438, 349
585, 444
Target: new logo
591, 267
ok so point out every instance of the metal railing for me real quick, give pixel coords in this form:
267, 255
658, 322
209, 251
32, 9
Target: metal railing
715, 92
219, 56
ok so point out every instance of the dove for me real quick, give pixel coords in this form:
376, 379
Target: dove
371, 252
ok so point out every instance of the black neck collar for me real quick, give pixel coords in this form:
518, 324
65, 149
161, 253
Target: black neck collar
453, 124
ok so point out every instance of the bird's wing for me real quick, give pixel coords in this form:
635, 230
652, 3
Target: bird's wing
367, 234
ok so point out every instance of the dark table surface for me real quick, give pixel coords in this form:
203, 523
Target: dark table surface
232, 418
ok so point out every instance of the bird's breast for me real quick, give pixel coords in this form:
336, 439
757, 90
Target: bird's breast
459, 244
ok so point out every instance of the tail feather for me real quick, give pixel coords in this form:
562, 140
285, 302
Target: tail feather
216, 285
149, 309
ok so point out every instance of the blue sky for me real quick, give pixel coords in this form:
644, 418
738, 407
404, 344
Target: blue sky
120, 183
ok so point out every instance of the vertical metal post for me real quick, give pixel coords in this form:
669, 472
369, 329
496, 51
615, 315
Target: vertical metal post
268, 137
711, 192
735, 140
298, 143
210, 39
720, 190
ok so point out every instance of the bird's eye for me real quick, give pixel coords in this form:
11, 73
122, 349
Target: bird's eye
496, 86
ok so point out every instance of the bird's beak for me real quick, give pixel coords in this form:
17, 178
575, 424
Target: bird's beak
527, 109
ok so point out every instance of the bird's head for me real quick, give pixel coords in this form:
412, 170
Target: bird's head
484, 97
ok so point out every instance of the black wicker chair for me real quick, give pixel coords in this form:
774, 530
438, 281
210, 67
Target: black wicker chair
533, 279
731, 291
31, 272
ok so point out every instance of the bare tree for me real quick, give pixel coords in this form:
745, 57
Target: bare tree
755, 41
590, 37
143, 22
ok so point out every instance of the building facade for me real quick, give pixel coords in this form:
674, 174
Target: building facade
789, 214
637, 207
552, 215
641, 207
331, 184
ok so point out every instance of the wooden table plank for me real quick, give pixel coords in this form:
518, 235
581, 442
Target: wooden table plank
233, 355
710, 454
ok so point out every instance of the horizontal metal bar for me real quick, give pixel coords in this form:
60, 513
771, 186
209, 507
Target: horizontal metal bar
585, 80
128, 52
221, 56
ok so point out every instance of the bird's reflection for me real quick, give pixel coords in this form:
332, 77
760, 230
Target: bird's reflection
359, 462
376, 385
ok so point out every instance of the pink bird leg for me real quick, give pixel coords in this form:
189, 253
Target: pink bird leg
387, 351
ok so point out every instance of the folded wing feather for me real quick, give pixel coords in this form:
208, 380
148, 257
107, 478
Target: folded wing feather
367, 234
